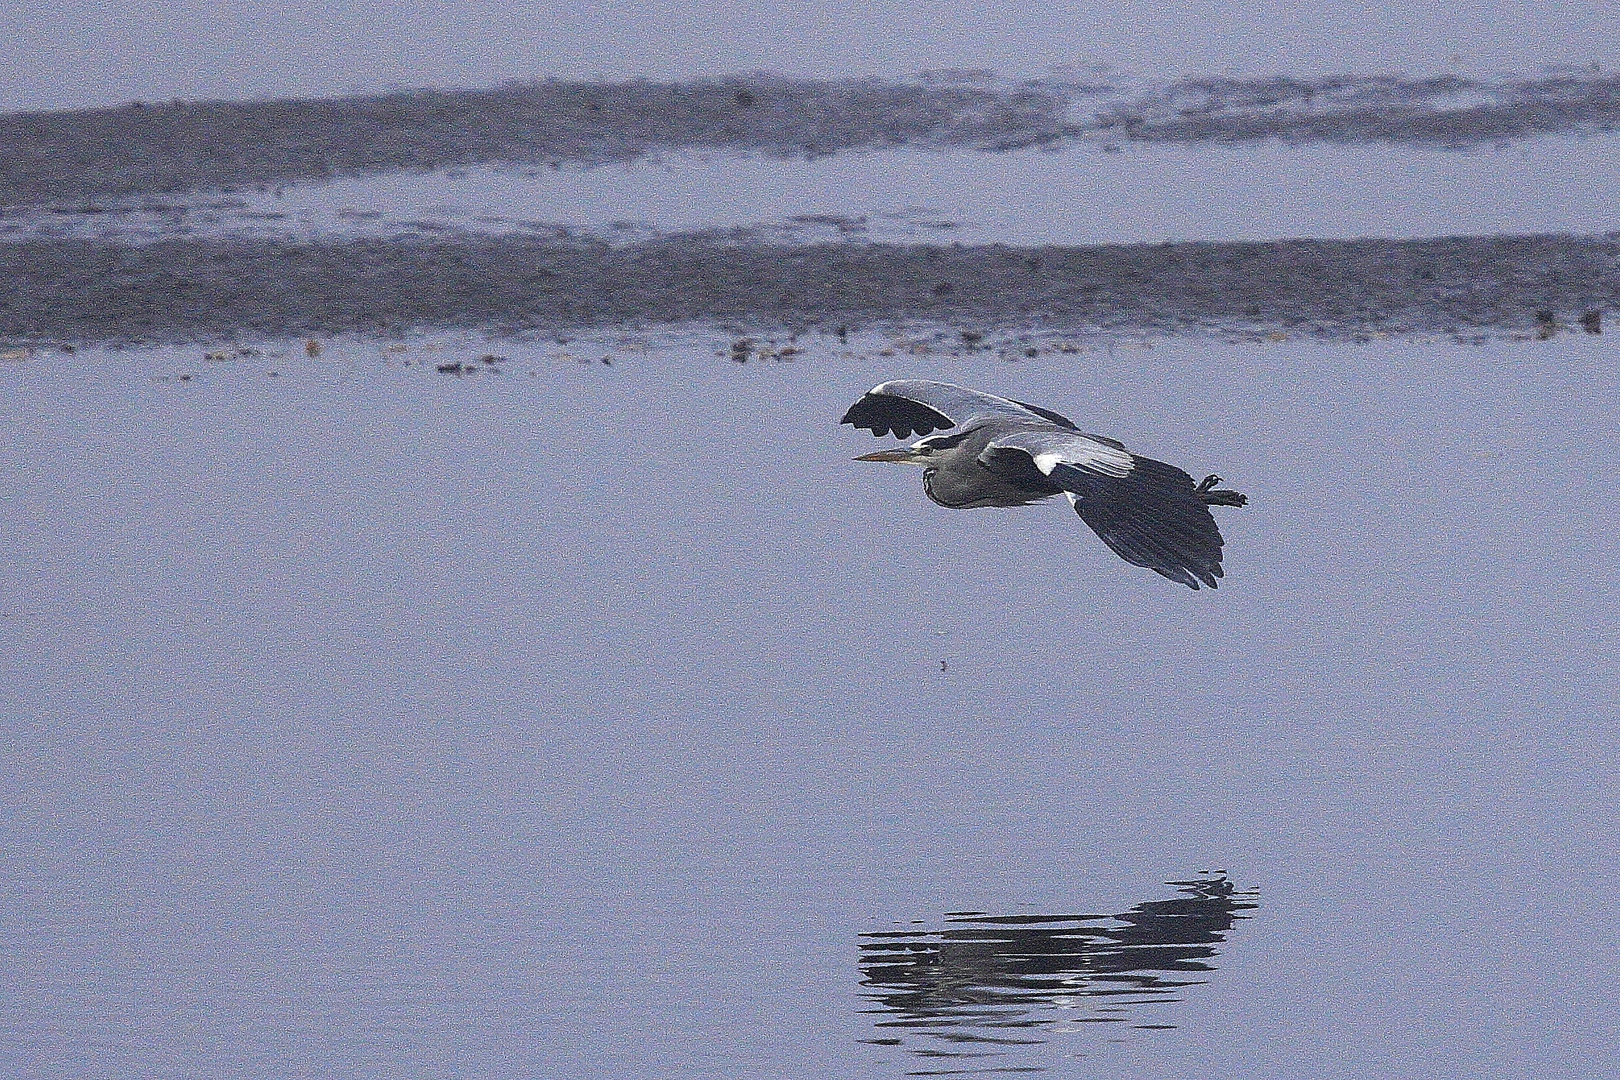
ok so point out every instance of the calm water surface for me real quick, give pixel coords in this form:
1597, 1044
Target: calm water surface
588, 719
1079, 194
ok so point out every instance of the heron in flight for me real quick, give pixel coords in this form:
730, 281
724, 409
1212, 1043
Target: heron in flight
997, 452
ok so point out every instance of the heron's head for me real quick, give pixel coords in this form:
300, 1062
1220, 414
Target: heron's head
922, 452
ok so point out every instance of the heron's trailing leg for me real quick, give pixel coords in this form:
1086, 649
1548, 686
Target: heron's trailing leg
1214, 496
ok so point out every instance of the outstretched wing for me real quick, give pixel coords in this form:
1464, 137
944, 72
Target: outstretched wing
1148, 512
905, 406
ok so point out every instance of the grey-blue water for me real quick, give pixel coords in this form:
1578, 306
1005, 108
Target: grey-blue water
589, 719
1079, 194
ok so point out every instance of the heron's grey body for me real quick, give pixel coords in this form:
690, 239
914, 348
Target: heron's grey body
993, 451
1017, 482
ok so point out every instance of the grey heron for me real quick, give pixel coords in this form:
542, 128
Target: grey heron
998, 452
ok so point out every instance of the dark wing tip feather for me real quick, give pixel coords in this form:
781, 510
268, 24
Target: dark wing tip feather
882, 413
1153, 518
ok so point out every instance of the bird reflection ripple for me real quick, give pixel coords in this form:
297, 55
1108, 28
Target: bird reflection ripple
968, 995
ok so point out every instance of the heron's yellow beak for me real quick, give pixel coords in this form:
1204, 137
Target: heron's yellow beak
902, 454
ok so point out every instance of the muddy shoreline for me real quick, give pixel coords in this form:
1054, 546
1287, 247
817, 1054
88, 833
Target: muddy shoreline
74, 158
188, 290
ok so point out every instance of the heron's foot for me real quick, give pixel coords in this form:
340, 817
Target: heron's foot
1214, 496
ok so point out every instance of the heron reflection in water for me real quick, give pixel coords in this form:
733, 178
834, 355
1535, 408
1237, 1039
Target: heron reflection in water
1000, 452
987, 983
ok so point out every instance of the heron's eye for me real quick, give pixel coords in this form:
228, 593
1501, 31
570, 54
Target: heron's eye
941, 442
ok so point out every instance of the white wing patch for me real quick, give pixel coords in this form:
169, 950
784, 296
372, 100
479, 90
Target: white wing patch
1080, 452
